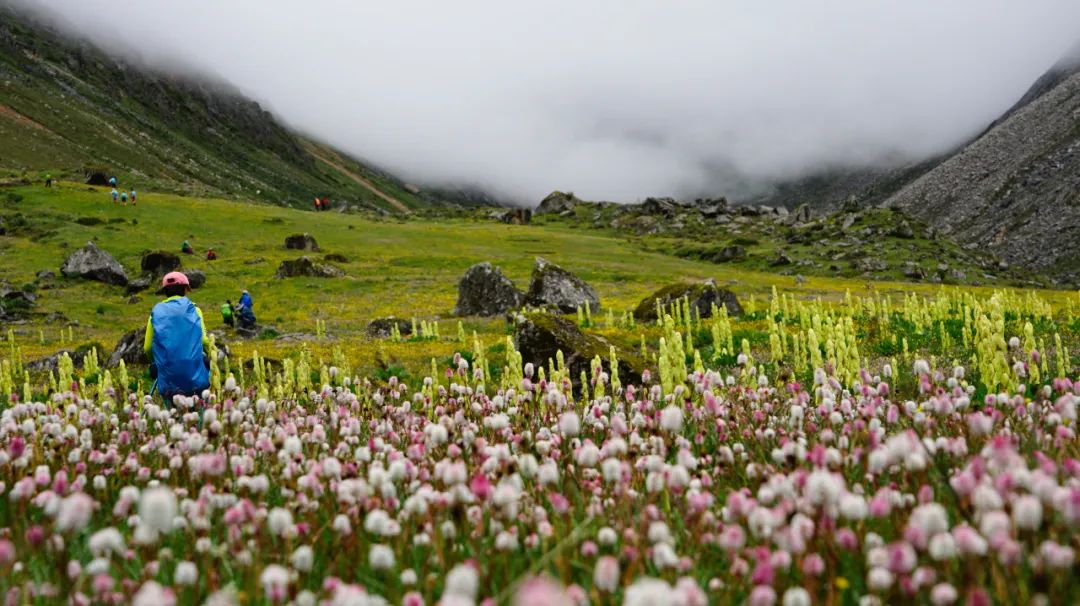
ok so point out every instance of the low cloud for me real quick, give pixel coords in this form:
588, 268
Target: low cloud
615, 99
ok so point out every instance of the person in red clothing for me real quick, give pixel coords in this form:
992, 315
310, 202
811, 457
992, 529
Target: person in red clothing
211, 255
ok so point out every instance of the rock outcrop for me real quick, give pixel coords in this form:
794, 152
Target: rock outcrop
92, 263
557, 202
196, 277
539, 336
555, 288
159, 262
381, 328
485, 291
302, 242
701, 296
305, 267
129, 349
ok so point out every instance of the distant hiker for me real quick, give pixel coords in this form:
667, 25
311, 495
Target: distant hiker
211, 255
245, 300
123, 198
115, 195
176, 340
227, 313
325, 204
186, 248
318, 204
133, 197
112, 181
48, 181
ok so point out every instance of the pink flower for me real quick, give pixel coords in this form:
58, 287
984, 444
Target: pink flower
559, 503
541, 591
480, 487
762, 595
606, 574
813, 565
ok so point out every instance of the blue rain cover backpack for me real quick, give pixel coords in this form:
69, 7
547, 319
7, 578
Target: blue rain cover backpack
177, 348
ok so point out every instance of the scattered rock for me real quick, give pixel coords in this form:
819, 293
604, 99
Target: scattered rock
557, 202
485, 291
902, 229
553, 286
255, 261
914, 271
540, 336
730, 253
133, 299
302, 242
45, 275
159, 263
92, 263
382, 328
335, 258
304, 266
780, 259
870, 264
513, 216
196, 277
701, 297
129, 349
138, 285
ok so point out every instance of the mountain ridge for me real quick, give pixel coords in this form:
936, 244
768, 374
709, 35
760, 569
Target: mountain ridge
69, 107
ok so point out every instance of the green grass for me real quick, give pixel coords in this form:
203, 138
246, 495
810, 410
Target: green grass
406, 268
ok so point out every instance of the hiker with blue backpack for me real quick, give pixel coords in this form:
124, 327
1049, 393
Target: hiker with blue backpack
176, 341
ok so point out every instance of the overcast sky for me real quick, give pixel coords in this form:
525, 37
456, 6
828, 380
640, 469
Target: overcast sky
614, 99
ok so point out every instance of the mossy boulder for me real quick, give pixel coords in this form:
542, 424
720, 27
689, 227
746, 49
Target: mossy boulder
305, 267
301, 242
382, 328
552, 287
539, 336
557, 202
701, 296
159, 262
485, 291
129, 349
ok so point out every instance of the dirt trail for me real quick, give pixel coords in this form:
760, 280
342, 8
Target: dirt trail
318, 153
8, 112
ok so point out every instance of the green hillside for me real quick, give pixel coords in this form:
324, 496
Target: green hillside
67, 108
408, 269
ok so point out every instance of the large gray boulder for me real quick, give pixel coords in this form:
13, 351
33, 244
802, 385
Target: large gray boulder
196, 277
557, 202
129, 349
485, 291
700, 295
305, 267
555, 288
92, 263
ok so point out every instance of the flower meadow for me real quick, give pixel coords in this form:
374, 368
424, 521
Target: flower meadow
867, 451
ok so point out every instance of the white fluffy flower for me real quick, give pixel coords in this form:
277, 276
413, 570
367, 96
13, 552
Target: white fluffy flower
186, 573
75, 512
569, 424
106, 541
462, 581
280, 522
671, 419
853, 506
1027, 513
796, 596
381, 557
647, 591
302, 558
157, 508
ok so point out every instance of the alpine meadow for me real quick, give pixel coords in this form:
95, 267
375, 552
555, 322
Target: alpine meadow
243, 363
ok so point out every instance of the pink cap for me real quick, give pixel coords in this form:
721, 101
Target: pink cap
174, 277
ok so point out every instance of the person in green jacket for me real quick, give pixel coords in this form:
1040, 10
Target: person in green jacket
227, 314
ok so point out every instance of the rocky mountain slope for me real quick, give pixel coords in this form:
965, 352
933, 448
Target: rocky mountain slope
68, 108
1016, 188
